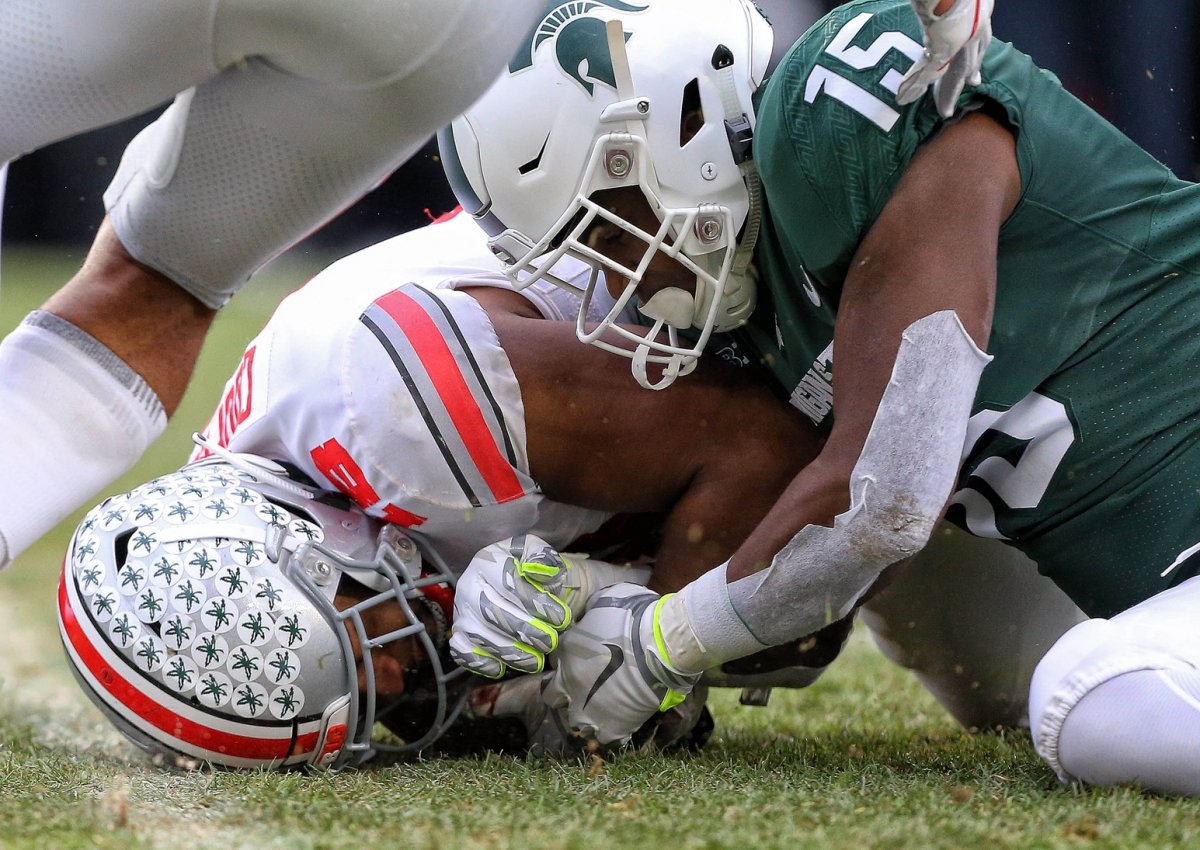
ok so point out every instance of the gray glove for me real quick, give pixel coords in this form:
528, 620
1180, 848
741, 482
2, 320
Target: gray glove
516, 596
613, 673
508, 609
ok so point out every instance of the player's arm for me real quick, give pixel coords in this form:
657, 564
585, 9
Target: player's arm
597, 440
914, 315
932, 249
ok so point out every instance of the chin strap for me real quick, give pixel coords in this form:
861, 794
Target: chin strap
741, 134
677, 365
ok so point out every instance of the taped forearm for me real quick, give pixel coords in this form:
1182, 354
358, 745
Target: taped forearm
898, 488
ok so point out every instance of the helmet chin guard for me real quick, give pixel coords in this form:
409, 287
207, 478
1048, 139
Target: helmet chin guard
197, 612
658, 98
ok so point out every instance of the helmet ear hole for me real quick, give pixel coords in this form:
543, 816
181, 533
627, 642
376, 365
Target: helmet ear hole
121, 548
691, 113
566, 229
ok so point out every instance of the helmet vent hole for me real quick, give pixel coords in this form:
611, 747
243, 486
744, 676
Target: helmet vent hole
121, 548
535, 162
691, 114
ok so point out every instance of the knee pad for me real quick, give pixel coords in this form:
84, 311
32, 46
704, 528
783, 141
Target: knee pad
1139, 728
1086, 658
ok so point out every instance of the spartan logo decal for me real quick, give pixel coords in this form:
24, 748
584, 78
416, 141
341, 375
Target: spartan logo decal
580, 44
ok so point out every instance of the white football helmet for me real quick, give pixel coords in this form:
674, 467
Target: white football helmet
596, 99
197, 612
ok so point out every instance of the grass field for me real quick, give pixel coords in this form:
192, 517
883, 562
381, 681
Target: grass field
862, 759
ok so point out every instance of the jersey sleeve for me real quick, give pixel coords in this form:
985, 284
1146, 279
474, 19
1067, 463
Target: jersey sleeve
831, 141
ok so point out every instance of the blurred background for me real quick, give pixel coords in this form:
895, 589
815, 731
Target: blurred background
1133, 61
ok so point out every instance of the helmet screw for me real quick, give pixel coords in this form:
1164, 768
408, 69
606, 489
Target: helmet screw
709, 230
709, 171
617, 163
320, 572
405, 548
643, 106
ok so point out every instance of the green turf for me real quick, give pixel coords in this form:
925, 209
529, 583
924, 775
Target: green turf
862, 759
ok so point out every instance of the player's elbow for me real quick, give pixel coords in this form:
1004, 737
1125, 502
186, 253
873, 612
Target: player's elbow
898, 526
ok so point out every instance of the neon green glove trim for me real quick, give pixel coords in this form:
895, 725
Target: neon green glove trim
549, 631
567, 615
672, 699
525, 569
532, 572
659, 643
536, 653
483, 652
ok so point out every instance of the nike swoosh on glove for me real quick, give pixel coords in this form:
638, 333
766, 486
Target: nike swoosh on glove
613, 670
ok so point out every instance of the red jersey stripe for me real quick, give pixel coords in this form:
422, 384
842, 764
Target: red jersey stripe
439, 362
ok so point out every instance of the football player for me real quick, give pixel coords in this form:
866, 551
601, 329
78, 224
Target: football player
1024, 234
284, 113
406, 388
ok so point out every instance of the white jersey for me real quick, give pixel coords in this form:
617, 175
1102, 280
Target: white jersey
286, 112
379, 380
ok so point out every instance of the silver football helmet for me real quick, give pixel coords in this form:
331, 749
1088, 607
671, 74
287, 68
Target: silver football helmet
197, 611
607, 94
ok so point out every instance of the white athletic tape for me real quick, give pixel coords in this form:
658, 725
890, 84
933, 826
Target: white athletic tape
898, 488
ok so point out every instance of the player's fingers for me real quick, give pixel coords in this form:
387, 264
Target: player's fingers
477, 642
928, 70
515, 623
913, 84
473, 658
546, 605
950, 86
978, 47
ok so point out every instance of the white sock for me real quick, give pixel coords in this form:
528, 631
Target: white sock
73, 417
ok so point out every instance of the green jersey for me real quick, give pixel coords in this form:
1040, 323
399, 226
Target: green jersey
1084, 446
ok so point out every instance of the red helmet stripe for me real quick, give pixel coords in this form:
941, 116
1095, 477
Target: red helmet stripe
155, 713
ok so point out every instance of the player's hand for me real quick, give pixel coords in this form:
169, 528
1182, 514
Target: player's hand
613, 672
509, 607
954, 46
522, 699
686, 726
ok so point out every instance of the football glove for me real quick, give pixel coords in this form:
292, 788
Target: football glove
687, 726
509, 606
954, 46
613, 672
522, 699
